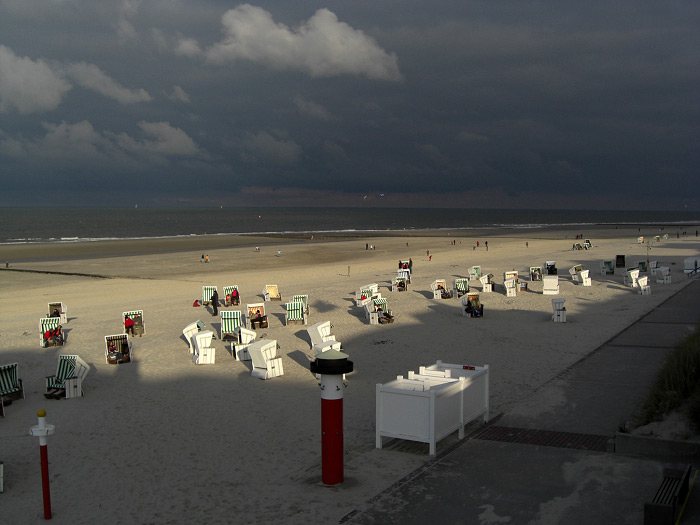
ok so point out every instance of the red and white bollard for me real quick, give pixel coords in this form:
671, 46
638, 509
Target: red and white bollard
42, 430
331, 365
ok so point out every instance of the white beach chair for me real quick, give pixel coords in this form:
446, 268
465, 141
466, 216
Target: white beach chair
321, 337
607, 267
230, 321
663, 275
583, 276
207, 292
535, 273
400, 284
653, 265
404, 273
511, 287
574, 271
61, 309
471, 305
189, 332
486, 282
474, 273
204, 353
118, 349
366, 291
439, 288
239, 348
559, 310
631, 277
550, 284
272, 293
644, 288
252, 320
266, 363
69, 376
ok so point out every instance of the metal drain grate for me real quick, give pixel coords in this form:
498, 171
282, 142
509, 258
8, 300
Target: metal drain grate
544, 438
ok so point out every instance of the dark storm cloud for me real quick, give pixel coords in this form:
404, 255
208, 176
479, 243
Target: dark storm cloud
591, 105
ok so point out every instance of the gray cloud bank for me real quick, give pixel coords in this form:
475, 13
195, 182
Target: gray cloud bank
454, 103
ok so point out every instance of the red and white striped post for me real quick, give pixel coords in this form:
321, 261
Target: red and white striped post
331, 365
42, 430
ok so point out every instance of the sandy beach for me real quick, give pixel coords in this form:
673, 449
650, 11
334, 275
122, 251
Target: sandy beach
161, 440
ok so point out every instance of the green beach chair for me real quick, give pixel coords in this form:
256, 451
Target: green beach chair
68, 379
294, 313
11, 386
207, 292
461, 286
228, 290
48, 323
230, 321
302, 299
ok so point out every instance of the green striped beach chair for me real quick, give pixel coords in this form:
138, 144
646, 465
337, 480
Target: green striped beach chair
118, 349
230, 321
47, 323
294, 313
207, 292
381, 302
11, 386
302, 299
137, 317
461, 287
474, 272
70, 373
399, 284
227, 292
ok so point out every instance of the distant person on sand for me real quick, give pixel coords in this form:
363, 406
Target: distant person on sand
215, 302
430, 258
486, 243
206, 259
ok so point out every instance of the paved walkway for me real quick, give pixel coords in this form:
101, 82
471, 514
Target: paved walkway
544, 462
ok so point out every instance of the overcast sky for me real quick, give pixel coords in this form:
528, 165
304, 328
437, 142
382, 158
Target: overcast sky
500, 104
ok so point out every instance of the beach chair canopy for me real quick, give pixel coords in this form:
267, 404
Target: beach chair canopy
69, 367
11, 386
230, 321
207, 292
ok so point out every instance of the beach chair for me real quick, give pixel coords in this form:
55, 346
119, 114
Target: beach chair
587, 244
607, 267
189, 332
471, 305
460, 287
550, 268
271, 293
550, 285
204, 353
252, 320
535, 273
486, 283
399, 284
512, 274
230, 321
68, 380
511, 287
653, 265
11, 386
302, 298
559, 315
583, 276
137, 317
474, 273
644, 288
60, 308
663, 275
239, 348
118, 349
207, 292
230, 300
640, 240
366, 291
404, 273
321, 338
439, 288
642, 266
620, 261
631, 276
294, 313
46, 324
574, 271
266, 363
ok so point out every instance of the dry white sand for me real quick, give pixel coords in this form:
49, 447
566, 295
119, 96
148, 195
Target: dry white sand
161, 440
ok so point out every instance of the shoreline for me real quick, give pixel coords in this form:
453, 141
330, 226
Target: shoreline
88, 249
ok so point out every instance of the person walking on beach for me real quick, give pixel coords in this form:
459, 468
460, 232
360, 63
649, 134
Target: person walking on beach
486, 243
215, 303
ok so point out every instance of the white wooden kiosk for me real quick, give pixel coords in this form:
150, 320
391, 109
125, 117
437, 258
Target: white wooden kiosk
428, 406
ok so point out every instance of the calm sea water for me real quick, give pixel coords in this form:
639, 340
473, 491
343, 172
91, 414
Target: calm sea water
31, 225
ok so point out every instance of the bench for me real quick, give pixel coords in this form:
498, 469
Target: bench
669, 497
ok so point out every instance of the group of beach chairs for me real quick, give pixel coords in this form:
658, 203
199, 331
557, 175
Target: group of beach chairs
374, 306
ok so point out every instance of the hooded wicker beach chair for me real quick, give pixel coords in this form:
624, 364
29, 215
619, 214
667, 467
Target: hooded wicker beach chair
137, 317
68, 380
272, 293
47, 324
230, 321
266, 363
231, 298
239, 348
207, 292
461, 286
58, 309
204, 353
550, 285
294, 313
189, 332
11, 386
118, 349
253, 320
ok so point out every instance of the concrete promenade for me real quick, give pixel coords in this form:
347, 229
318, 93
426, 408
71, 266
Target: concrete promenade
547, 459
